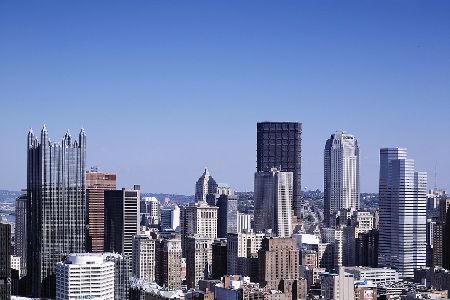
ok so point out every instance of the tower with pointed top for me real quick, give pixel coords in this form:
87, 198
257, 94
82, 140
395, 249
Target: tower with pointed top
56, 206
205, 185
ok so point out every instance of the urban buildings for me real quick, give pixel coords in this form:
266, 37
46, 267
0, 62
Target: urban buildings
242, 245
85, 276
121, 219
205, 185
278, 145
56, 206
96, 184
150, 212
376, 275
219, 258
170, 217
402, 236
5, 261
227, 215
279, 265
198, 259
341, 175
337, 286
144, 257
273, 196
20, 236
169, 264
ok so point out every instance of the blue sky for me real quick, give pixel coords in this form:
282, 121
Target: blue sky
165, 88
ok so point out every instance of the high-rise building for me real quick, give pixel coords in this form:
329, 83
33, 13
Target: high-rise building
122, 266
242, 245
446, 234
170, 217
96, 185
144, 257
198, 259
227, 215
402, 236
279, 265
20, 236
244, 222
219, 258
169, 264
279, 146
56, 206
367, 249
121, 220
198, 219
341, 175
150, 212
205, 185
273, 196
5, 261
85, 276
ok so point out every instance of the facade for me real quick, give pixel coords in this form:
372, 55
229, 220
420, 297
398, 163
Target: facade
150, 212
376, 275
205, 185
402, 236
122, 266
341, 175
198, 219
121, 220
170, 217
5, 261
144, 257
244, 222
56, 206
198, 259
279, 265
20, 236
337, 286
16, 265
273, 196
227, 215
242, 245
278, 145
219, 258
85, 276
169, 264
366, 251
96, 184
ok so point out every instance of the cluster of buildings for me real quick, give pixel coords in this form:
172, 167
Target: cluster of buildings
78, 236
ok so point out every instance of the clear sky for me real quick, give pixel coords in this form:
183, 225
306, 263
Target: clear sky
165, 88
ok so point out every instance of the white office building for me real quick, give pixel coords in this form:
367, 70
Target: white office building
85, 276
170, 217
376, 275
341, 175
402, 194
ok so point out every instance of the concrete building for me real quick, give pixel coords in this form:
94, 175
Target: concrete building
272, 198
341, 175
122, 267
150, 212
85, 276
170, 217
279, 265
141, 290
16, 264
56, 204
219, 258
198, 259
367, 249
244, 222
121, 220
242, 245
198, 219
144, 257
279, 145
402, 237
169, 264
337, 286
96, 185
234, 287
205, 185
365, 290
5, 260
376, 275
227, 215
20, 236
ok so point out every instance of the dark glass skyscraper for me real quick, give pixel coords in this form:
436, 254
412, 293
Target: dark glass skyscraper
279, 146
5, 261
56, 206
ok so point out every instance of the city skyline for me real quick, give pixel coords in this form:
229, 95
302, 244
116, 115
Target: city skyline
166, 73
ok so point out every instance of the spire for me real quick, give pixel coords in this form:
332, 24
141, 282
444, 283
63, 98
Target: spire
44, 129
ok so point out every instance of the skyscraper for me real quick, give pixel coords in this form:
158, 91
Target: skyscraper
121, 220
5, 261
20, 236
56, 211
150, 212
341, 175
279, 146
402, 236
144, 257
205, 185
170, 217
96, 185
227, 215
273, 197
198, 259
169, 264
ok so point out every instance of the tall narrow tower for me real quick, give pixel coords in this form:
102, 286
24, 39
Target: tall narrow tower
402, 240
341, 175
205, 185
56, 212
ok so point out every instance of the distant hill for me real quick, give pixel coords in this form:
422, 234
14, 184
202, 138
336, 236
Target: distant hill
182, 199
9, 196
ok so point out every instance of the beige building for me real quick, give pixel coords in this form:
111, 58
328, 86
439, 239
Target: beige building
242, 245
198, 259
144, 257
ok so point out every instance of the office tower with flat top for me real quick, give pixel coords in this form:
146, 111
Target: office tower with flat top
56, 206
279, 146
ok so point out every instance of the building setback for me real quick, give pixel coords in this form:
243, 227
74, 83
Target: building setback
278, 145
96, 185
56, 206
